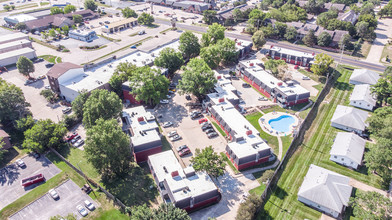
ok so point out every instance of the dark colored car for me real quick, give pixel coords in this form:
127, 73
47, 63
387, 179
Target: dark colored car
196, 115
212, 134
49, 65
245, 85
209, 131
184, 152
206, 127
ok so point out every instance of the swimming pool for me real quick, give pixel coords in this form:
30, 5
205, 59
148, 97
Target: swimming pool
281, 123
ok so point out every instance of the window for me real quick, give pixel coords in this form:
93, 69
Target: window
355, 102
342, 159
335, 157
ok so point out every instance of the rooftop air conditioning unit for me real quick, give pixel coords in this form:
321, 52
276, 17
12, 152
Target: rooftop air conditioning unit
280, 84
221, 100
251, 64
219, 77
249, 132
174, 173
140, 119
138, 54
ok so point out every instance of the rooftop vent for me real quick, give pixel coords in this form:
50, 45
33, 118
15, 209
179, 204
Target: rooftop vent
221, 100
140, 119
251, 64
174, 173
165, 169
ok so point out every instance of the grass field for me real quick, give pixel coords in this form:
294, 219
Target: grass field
217, 127
231, 165
283, 203
51, 58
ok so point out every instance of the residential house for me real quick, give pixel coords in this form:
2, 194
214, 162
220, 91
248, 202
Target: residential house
192, 6
340, 7
183, 187
348, 149
337, 37
349, 16
5, 139
62, 21
362, 97
222, 16
326, 191
303, 31
350, 119
364, 76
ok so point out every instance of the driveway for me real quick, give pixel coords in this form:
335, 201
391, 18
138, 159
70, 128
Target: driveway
232, 189
11, 176
46, 207
383, 32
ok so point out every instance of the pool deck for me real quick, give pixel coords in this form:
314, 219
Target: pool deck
263, 121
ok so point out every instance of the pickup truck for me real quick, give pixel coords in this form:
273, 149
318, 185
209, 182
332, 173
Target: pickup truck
32, 180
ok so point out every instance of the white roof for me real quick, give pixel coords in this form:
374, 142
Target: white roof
241, 44
350, 117
14, 53
362, 93
21, 18
88, 81
326, 188
364, 76
13, 36
349, 145
180, 186
223, 88
292, 52
14, 43
81, 32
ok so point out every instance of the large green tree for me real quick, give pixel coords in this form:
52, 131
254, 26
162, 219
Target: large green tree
121, 74
291, 34
170, 212
43, 135
379, 159
149, 85
383, 90
310, 38
13, 104
371, 205
380, 123
273, 65
258, 39
197, 78
209, 161
145, 19
365, 31
77, 19
227, 51
24, 124
65, 29
25, 66
256, 18
248, 209
215, 32
210, 55
69, 9
108, 148
209, 16
90, 4
2, 151
141, 212
101, 104
56, 10
324, 39
170, 59
127, 13
321, 64
189, 45
78, 103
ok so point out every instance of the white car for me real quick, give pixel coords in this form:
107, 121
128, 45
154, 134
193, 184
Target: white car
172, 133
20, 163
305, 78
81, 210
164, 101
67, 110
168, 96
54, 194
175, 138
79, 143
47, 87
89, 205
167, 124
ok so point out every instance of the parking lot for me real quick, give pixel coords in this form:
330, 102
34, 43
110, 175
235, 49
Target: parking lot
45, 207
11, 176
249, 95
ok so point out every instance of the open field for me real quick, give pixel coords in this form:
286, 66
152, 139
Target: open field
283, 203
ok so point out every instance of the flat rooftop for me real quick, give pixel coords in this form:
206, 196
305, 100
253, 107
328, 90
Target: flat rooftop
82, 32
88, 81
292, 52
18, 52
14, 43
14, 36
21, 18
140, 119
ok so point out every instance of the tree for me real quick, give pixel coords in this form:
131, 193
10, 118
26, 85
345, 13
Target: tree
345, 42
2, 151
310, 39
77, 19
170, 212
52, 33
145, 19
209, 16
127, 13
227, 50
24, 124
380, 123
197, 78
209, 161
90, 4
141, 212
291, 33
321, 64
68, 217
238, 15
69, 9
267, 175
258, 39
383, 90
256, 18
121, 74
170, 59
215, 32
269, 31
273, 65
65, 29
324, 39
247, 209
101, 104
6, 7
78, 103
189, 45
149, 85
56, 10
313, 6
388, 71
371, 205
49, 95
379, 159
43, 135
370, 19
108, 148
281, 28
365, 31
12, 7
12, 102
25, 66
210, 55
20, 26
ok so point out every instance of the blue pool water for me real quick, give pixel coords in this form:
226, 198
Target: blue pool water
282, 123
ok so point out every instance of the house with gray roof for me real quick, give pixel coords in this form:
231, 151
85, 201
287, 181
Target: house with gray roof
350, 119
364, 76
348, 149
362, 97
337, 37
326, 191
349, 16
339, 7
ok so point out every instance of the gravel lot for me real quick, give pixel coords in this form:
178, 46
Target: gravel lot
11, 176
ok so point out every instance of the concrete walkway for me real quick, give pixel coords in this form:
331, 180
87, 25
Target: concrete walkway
383, 31
326, 217
280, 148
365, 187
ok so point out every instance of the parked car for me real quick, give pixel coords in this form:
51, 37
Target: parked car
27, 82
167, 124
262, 98
49, 65
245, 85
90, 206
188, 97
71, 136
101, 23
168, 96
164, 101
305, 78
172, 133
212, 134
184, 152
107, 22
39, 60
81, 210
20, 163
202, 120
86, 188
133, 47
54, 194
67, 110
32, 180
206, 127
41, 77
35, 154
141, 32
79, 143
47, 87
73, 141
182, 147
210, 130
175, 138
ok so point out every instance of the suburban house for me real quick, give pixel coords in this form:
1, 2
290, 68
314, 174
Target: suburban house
15, 45
362, 97
340, 7
284, 93
350, 119
337, 37
5, 139
119, 25
144, 132
364, 76
222, 16
349, 16
182, 187
326, 191
290, 56
61, 72
348, 149
83, 35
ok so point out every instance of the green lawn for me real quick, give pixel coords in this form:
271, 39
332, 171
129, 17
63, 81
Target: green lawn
231, 165
165, 144
51, 58
218, 128
286, 141
111, 214
258, 190
283, 203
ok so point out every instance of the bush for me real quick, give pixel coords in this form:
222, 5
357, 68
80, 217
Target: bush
267, 175
70, 121
49, 95
247, 209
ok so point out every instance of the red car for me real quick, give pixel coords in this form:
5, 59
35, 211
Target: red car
202, 120
184, 152
86, 22
71, 136
32, 180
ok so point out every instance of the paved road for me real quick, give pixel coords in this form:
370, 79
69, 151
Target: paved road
345, 59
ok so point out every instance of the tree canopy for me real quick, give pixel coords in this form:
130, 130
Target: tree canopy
197, 78
121, 74
13, 104
101, 104
127, 13
108, 148
371, 205
273, 65
189, 45
78, 103
256, 18
163, 212
379, 159
69, 9
77, 19
324, 39
258, 39
145, 19
247, 209
90, 4
321, 64
170, 59
291, 34
209, 161
380, 122
43, 135
383, 90
310, 38
56, 10
25, 66
209, 16
210, 55
215, 32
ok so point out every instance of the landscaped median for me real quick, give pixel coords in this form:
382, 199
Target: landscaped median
51, 58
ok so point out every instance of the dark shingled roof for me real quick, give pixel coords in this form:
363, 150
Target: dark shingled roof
60, 68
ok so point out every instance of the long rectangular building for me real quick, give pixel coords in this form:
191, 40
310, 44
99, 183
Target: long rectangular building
183, 187
13, 37
291, 56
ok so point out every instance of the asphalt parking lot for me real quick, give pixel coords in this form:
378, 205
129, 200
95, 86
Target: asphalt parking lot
11, 176
249, 95
45, 207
